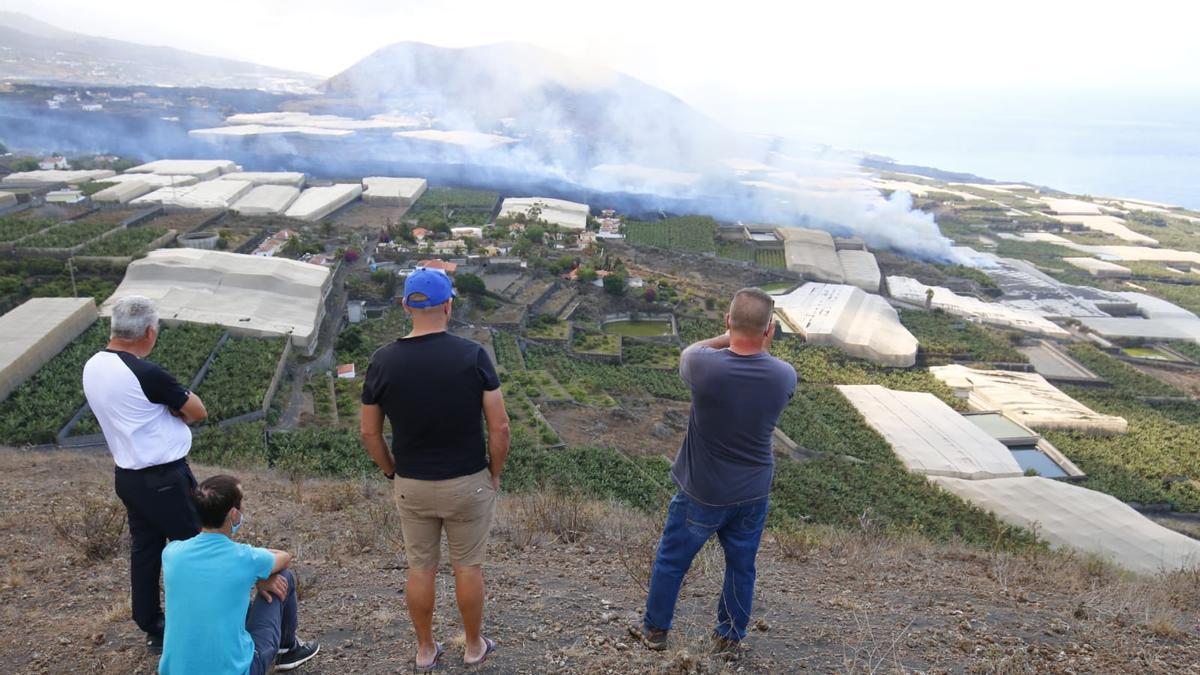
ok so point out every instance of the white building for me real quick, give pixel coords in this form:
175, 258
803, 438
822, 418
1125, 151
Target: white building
846, 317
565, 214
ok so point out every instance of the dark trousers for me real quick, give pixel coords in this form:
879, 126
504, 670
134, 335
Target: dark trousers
159, 502
271, 625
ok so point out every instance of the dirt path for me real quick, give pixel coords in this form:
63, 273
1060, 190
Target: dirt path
562, 603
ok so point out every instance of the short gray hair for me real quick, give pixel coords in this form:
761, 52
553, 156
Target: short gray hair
751, 311
132, 316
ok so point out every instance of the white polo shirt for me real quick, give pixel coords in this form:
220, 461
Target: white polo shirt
132, 399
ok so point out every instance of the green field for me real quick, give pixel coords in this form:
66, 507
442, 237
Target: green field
128, 242
683, 233
639, 328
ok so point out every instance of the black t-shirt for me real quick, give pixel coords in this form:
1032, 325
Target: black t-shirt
431, 389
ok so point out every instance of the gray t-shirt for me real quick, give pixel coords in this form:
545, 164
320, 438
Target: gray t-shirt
726, 457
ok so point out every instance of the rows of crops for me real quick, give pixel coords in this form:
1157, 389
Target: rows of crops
13, 228
37, 409
1163, 441
770, 257
605, 378
596, 343
67, 235
238, 379
457, 197
181, 350
944, 337
735, 251
687, 233
649, 354
128, 242
508, 354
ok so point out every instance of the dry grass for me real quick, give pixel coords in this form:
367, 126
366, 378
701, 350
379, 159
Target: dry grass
90, 520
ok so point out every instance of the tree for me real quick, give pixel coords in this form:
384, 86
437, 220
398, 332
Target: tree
25, 164
614, 284
928, 298
327, 228
586, 275
293, 247
536, 234
351, 256
470, 283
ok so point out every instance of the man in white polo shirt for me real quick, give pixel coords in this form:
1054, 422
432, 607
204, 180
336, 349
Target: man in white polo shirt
144, 414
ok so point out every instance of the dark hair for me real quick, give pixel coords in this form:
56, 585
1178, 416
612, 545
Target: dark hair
215, 498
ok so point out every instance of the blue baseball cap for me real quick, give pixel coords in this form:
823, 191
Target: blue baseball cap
432, 283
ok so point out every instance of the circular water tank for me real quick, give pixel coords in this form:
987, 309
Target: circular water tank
201, 240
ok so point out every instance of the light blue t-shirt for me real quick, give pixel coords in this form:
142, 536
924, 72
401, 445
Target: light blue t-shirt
207, 580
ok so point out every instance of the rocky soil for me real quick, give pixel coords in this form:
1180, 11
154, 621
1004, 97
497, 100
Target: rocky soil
565, 581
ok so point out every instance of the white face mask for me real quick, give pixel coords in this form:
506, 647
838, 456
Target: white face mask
238, 524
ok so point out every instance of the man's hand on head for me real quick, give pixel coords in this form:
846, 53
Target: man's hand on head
274, 585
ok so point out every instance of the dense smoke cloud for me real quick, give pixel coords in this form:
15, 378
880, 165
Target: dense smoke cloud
577, 132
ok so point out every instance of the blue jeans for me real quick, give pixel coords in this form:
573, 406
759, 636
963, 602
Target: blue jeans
272, 625
689, 525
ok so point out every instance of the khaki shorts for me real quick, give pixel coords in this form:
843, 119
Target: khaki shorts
463, 506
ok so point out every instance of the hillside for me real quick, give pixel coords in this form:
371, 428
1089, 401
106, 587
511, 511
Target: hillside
39, 52
565, 584
599, 114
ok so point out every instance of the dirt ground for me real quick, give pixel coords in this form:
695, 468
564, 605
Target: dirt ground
1185, 380
565, 580
653, 427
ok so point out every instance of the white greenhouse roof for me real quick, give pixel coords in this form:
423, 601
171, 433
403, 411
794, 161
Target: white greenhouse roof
154, 180
1025, 397
123, 192
1085, 520
246, 130
292, 178
812, 253
58, 176
471, 140
7, 199
35, 332
565, 214
929, 436
860, 269
389, 190
1099, 268
303, 119
1072, 207
1170, 328
267, 200
1109, 225
202, 169
861, 324
245, 293
317, 202
212, 194
914, 292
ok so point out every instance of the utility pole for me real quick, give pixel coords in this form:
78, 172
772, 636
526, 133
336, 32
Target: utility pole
71, 269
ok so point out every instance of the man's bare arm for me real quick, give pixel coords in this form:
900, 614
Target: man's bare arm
719, 342
193, 410
371, 428
498, 433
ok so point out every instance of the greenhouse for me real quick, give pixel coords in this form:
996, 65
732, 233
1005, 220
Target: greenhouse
58, 176
267, 200
248, 294
928, 436
812, 253
860, 269
123, 192
393, 191
1100, 268
317, 202
861, 324
202, 169
291, 178
153, 180
567, 215
212, 194
1081, 519
1025, 397
968, 307
7, 200
36, 332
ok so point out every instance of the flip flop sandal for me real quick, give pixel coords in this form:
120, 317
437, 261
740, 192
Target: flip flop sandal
491, 647
433, 665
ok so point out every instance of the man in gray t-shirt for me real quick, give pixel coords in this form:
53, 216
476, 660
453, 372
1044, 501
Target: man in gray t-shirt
724, 467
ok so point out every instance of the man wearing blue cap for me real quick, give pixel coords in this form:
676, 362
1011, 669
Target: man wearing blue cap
437, 389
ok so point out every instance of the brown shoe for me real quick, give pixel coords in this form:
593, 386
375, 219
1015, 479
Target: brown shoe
728, 649
653, 638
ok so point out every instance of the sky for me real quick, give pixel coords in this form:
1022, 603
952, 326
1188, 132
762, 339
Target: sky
737, 61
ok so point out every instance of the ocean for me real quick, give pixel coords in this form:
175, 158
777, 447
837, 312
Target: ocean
1139, 144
